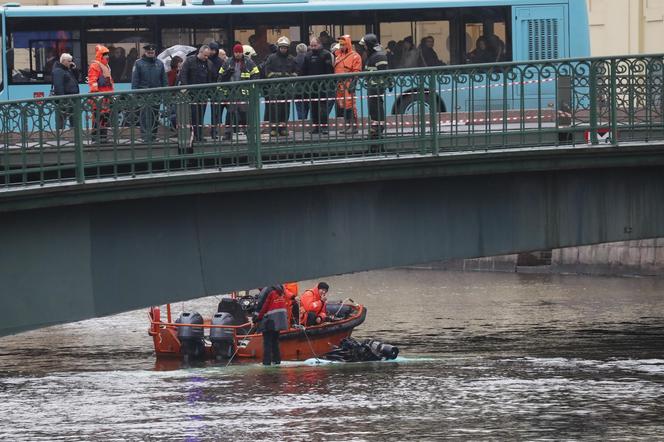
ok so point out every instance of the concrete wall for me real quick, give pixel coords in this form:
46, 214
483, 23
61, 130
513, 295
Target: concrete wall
642, 257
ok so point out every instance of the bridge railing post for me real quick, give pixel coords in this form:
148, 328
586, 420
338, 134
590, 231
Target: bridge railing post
614, 101
78, 140
254, 127
593, 102
433, 112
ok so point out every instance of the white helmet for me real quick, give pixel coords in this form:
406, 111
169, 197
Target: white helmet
283, 41
248, 51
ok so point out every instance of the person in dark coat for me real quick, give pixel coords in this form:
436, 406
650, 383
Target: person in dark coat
280, 65
428, 56
129, 64
376, 61
217, 58
64, 83
319, 61
274, 318
117, 62
301, 104
238, 68
197, 69
149, 72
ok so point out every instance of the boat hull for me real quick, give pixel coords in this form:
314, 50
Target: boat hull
295, 344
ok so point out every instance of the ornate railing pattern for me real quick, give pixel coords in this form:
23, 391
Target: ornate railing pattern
366, 115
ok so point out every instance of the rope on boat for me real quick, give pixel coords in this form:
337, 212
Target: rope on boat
301, 327
237, 347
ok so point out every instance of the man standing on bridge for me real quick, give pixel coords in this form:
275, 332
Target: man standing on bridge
197, 69
318, 61
376, 61
149, 72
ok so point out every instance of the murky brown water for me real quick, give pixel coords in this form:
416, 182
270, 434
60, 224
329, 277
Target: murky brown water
483, 356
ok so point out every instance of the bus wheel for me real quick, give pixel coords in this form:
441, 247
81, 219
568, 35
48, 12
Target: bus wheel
407, 104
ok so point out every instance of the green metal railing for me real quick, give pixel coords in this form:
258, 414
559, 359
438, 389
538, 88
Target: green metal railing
426, 111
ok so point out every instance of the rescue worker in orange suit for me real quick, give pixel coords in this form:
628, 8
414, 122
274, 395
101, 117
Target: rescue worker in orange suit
273, 318
291, 290
313, 304
100, 80
346, 60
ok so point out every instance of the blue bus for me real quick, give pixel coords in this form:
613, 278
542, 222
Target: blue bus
454, 30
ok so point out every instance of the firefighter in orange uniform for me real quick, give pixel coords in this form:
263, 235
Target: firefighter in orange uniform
313, 304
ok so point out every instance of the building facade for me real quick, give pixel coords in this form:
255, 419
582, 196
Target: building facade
620, 27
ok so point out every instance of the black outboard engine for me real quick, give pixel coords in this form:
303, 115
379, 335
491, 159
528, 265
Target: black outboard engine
352, 350
191, 338
383, 351
223, 344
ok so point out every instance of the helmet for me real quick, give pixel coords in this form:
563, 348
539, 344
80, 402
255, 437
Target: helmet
283, 41
370, 41
248, 51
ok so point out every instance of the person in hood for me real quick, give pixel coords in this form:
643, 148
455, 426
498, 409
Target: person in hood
149, 72
428, 56
347, 60
280, 65
376, 61
64, 83
318, 61
238, 68
100, 80
409, 54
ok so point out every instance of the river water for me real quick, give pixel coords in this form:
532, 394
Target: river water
484, 356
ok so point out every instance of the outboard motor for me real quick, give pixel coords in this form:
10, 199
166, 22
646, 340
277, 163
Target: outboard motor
191, 338
223, 345
383, 351
352, 350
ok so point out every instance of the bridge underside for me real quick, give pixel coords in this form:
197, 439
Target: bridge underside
66, 263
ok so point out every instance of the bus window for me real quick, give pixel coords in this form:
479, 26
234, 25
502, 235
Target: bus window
411, 44
487, 37
329, 27
32, 54
261, 37
193, 36
123, 36
328, 33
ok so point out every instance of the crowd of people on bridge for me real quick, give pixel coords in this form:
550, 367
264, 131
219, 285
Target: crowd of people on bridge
210, 64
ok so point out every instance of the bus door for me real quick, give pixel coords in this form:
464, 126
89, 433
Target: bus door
540, 33
3, 59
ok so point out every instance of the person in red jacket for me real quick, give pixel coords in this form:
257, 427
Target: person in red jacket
291, 290
274, 318
313, 304
100, 80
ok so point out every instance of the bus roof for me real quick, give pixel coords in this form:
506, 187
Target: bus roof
277, 6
